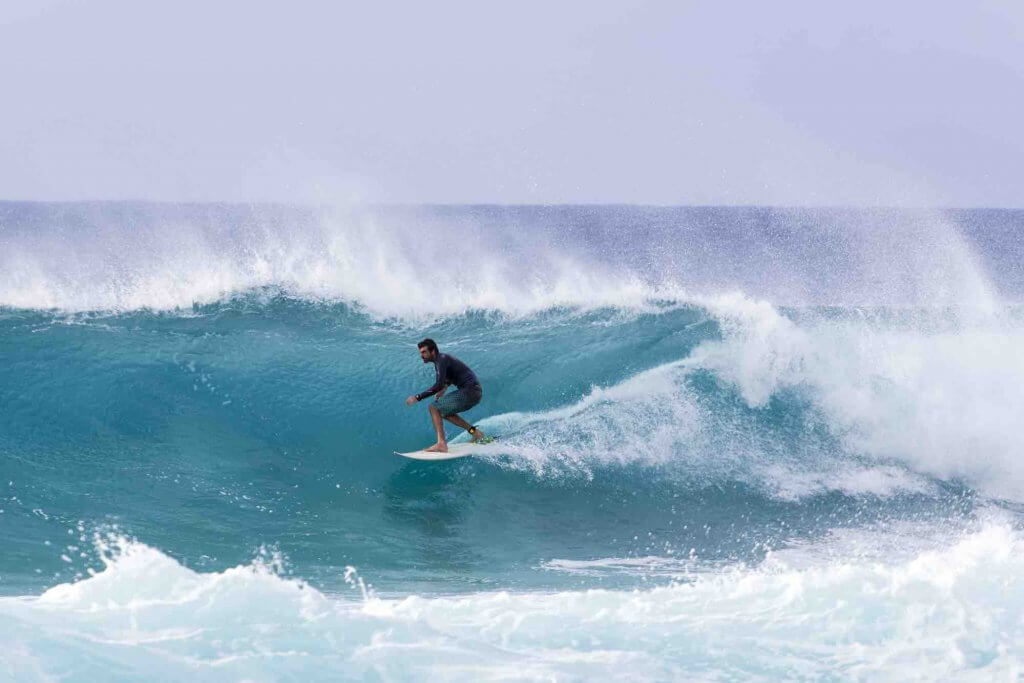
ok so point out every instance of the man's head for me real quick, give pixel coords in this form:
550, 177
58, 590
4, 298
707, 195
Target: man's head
428, 350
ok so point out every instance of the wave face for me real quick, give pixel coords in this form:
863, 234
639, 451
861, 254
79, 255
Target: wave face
739, 442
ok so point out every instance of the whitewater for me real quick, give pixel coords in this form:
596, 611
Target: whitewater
735, 443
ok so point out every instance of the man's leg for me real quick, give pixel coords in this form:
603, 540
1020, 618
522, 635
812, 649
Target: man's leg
459, 422
442, 444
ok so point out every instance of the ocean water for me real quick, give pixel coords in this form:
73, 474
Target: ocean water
735, 443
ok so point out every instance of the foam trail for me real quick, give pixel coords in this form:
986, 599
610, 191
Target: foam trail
885, 407
658, 419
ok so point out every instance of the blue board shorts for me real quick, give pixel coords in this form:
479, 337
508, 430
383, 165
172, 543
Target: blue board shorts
459, 401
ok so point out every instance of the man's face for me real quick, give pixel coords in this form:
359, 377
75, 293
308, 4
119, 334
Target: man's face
426, 354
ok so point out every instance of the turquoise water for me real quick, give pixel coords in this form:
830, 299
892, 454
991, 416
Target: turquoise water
734, 443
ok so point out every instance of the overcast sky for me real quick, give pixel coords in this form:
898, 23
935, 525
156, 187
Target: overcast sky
795, 103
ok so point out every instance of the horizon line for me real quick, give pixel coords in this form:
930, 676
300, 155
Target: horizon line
514, 205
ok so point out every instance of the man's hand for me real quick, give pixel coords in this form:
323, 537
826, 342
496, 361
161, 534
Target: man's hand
410, 401
440, 393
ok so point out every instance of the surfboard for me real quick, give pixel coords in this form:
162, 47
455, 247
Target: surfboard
459, 450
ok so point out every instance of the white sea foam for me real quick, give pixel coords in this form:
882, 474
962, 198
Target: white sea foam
657, 419
647, 565
953, 612
904, 403
941, 398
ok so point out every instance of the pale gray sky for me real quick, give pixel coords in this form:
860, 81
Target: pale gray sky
803, 103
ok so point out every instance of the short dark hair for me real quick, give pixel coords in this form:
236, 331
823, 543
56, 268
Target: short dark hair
429, 343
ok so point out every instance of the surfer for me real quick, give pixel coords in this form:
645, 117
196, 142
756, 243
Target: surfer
450, 370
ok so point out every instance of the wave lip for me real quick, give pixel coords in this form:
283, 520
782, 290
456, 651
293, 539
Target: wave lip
128, 258
429, 261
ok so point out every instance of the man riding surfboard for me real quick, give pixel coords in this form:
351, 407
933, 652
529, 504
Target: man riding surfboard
450, 370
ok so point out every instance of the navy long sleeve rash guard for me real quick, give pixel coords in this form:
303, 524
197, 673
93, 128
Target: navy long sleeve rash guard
450, 370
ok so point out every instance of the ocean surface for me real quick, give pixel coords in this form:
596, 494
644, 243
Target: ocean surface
735, 443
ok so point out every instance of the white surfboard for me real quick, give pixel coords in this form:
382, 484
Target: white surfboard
459, 450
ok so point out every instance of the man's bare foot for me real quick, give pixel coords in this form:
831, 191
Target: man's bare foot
439, 447
477, 435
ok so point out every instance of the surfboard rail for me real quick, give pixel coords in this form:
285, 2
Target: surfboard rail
459, 450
